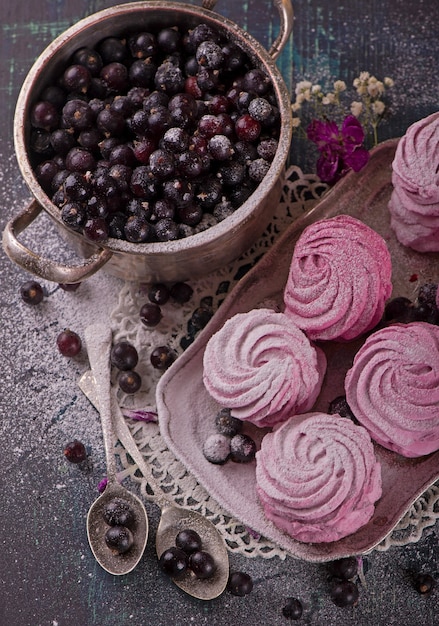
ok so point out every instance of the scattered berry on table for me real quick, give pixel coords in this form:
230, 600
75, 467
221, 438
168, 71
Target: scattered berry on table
129, 381
124, 356
424, 583
162, 357
181, 292
346, 568
158, 293
119, 539
427, 293
150, 314
32, 292
293, 609
69, 343
344, 592
240, 584
75, 451
399, 309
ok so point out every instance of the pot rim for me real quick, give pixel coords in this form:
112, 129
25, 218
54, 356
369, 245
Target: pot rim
252, 47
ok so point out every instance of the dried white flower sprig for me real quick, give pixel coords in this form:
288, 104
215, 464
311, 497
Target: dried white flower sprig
367, 102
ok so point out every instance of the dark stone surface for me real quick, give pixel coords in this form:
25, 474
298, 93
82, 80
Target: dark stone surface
48, 576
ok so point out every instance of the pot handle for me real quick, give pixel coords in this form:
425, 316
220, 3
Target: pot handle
40, 266
286, 14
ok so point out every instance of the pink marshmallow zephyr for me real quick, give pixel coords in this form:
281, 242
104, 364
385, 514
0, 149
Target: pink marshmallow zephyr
339, 279
414, 203
262, 367
317, 477
393, 387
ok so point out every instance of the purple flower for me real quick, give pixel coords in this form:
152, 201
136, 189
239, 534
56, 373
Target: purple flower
140, 415
340, 149
102, 485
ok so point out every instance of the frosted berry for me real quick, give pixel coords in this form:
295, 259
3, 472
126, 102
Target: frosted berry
216, 448
242, 448
226, 424
119, 538
118, 512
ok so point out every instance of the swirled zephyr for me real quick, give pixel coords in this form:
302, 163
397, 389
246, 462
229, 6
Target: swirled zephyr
317, 477
262, 367
414, 203
339, 279
393, 387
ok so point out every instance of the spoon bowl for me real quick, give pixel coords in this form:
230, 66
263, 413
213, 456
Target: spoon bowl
98, 340
112, 562
173, 518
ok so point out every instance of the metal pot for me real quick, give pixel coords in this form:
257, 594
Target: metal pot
182, 259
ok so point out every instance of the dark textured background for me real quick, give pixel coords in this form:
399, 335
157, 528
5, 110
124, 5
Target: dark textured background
47, 574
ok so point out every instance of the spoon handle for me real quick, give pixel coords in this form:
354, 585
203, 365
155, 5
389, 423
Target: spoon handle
125, 437
98, 340
87, 384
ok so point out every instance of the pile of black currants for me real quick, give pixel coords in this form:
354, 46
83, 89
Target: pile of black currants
187, 555
154, 136
228, 442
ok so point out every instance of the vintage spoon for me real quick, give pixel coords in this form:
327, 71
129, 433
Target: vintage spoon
98, 341
173, 518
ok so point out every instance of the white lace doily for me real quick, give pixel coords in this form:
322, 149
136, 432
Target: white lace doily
300, 192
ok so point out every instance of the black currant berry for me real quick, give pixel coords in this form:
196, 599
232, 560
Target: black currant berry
216, 448
32, 292
240, 584
188, 540
174, 562
124, 356
424, 583
119, 539
150, 314
69, 343
162, 357
344, 592
242, 448
130, 381
202, 564
345, 569
226, 424
293, 609
75, 451
118, 512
